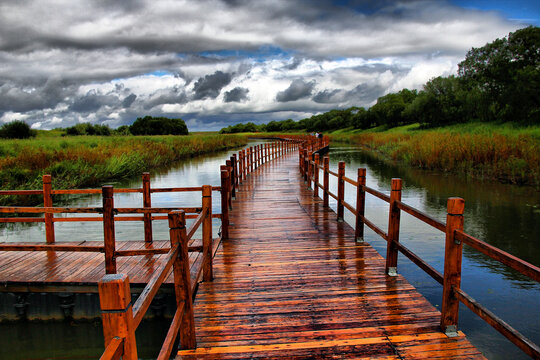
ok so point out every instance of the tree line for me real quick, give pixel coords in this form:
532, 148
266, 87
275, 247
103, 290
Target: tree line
499, 82
147, 125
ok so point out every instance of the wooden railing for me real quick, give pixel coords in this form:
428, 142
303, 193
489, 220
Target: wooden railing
310, 166
109, 217
120, 318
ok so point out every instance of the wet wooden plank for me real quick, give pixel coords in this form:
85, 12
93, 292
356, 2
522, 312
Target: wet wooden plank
291, 283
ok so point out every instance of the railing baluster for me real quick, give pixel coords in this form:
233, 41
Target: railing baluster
182, 280
108, 229
326, 180
452, 267
224, 203
207, 233
393, 229
341, 190
117, 313
316, 175
48, 202
147, 203
360, 205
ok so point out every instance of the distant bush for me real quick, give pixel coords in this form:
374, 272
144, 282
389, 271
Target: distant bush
88, 129
16, 130
149, 125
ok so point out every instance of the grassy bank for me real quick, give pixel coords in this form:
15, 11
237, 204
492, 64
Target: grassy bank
88, 161
501, 152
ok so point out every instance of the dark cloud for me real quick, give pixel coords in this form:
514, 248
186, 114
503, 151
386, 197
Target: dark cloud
210, 86
297, 90
173, 95
92, 101
328, 96
238, 94
129, 100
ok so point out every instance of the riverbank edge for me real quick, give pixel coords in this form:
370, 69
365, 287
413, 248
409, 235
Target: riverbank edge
513, 159
88, 162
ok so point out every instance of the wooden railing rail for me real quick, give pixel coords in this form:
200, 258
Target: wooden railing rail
455, 237
146, 190
109, 217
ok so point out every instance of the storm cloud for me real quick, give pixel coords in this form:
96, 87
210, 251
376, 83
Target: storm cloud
216, 62
238, 94
297, 90
210, 86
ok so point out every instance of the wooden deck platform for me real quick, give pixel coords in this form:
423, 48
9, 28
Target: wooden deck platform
291, 283
55, 271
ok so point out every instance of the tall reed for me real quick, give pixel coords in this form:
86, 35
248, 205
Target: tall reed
89, 161
513, 158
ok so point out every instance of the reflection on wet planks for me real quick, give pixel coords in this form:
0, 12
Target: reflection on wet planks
291, 282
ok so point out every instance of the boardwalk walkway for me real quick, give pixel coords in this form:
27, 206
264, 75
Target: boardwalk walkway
291, 283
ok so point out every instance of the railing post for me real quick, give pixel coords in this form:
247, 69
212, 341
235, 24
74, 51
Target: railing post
309, 169
306, 165
207, 233
261, 155
300, 160
182, 280
108, 229
240, 167
48, 202
256, 156
147, 203
360, 205
244, 167
393, 229
265, 152
251, 158
452, 267
228, 163
117, 313
341, 190
326, 180
235, 167
316, 175
224, 203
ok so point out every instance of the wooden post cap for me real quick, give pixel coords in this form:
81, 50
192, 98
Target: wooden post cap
362, 172
114, 292
177, 219
455, 206
396, 184
47, 179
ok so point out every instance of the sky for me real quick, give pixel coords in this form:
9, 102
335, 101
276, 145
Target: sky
215, 63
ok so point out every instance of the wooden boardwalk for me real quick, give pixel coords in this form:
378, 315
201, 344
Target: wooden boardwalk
291, 283
54, 271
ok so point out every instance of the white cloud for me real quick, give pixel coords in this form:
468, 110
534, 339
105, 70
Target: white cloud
114, 61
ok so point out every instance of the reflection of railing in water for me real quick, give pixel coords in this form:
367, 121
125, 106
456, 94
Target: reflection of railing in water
120, 319
310, 166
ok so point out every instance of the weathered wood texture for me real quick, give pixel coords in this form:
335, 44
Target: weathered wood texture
81, 271
291, 282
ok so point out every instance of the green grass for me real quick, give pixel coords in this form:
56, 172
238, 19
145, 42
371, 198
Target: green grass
86, 161
504, 152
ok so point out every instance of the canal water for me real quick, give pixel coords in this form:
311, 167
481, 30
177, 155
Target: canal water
503, 215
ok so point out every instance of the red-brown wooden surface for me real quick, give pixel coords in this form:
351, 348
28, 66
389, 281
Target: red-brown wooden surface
81, 271
290, 282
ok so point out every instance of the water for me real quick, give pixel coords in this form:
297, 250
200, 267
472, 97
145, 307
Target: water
505, 216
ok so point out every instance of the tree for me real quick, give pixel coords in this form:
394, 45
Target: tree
506, 74
149, 125
16, 130
441, 102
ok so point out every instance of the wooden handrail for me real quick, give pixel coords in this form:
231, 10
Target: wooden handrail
497, 254
115, 349
150, 290
455, 237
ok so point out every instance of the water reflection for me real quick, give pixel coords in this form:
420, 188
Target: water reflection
505, 216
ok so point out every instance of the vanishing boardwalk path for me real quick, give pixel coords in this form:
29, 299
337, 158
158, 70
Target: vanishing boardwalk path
291, 283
